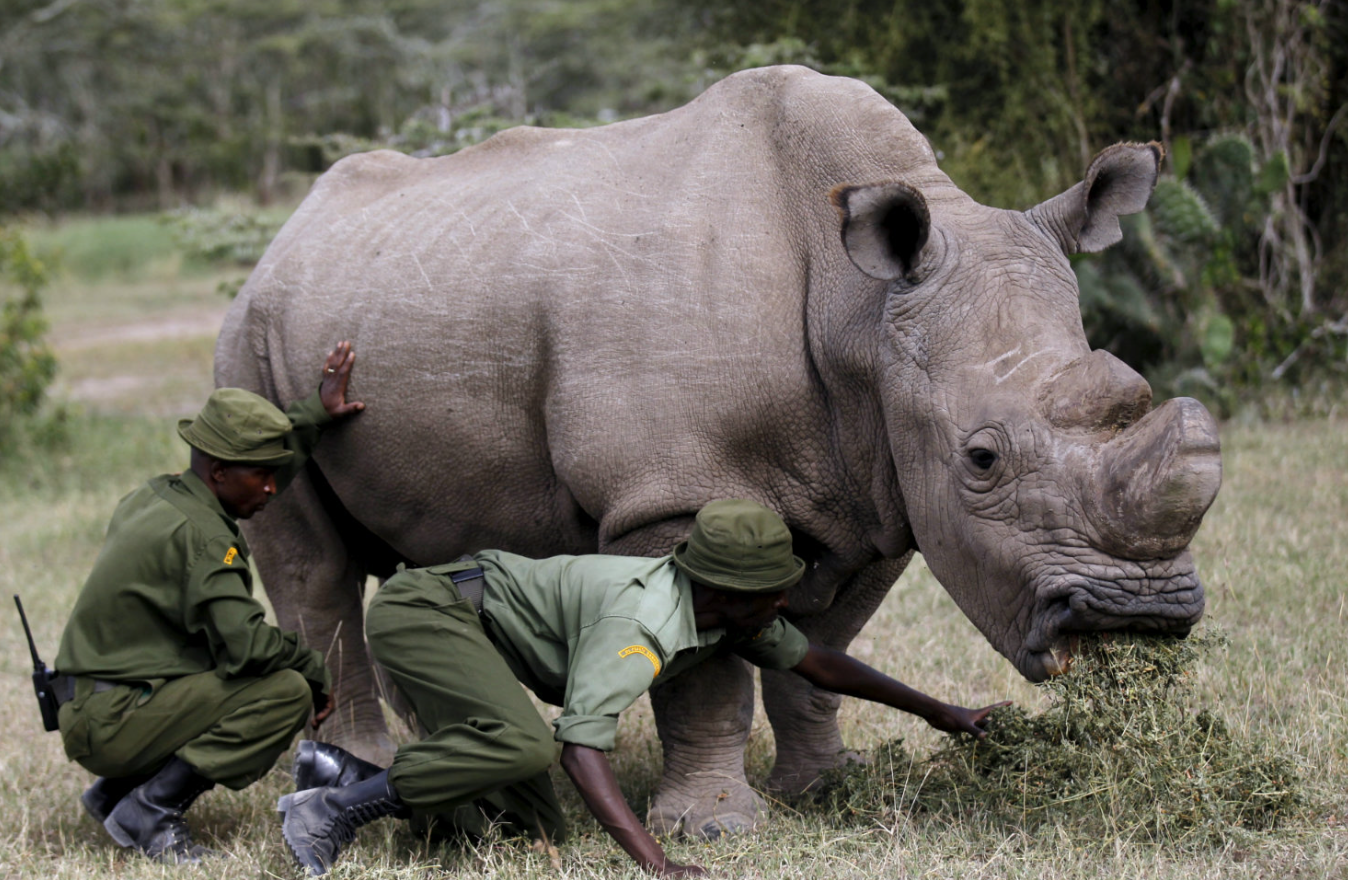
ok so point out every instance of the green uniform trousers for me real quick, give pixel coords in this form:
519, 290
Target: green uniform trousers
230, 730
486, 744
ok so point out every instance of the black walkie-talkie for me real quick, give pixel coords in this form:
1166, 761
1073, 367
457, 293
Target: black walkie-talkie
42, 679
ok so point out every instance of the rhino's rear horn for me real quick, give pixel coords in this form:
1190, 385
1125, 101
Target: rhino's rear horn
1096, 392
884, 228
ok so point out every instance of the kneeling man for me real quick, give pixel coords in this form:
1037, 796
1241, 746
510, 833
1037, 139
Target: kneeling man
170, 677
589, 634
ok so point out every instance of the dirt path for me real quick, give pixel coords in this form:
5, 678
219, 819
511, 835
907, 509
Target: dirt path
158, 365
179, 324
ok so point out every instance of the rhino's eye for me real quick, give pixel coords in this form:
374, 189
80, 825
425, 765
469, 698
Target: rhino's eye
982, 458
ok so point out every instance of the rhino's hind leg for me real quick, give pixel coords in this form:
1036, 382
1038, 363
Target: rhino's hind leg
316, 584
805, 719
703, 718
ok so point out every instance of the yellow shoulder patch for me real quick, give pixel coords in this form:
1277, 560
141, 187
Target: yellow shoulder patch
231, 555
643, 651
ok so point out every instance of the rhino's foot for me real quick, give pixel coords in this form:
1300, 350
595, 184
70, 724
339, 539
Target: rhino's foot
367, 742
801, 774
707, 807
377, 749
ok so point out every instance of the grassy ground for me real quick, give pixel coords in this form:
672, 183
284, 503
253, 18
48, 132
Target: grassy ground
135, 347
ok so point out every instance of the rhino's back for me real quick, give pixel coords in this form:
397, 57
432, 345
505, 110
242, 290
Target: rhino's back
760, 139
579, 310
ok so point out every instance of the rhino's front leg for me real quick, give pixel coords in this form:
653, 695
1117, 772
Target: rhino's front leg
804, 718
316, 586
703, 718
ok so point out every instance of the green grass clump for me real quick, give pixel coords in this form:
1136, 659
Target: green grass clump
122, 246
1120, 753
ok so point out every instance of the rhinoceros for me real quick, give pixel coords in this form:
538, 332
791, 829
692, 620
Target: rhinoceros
570, 340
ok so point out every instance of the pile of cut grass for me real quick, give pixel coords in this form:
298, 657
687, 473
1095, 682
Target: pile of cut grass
1120, 753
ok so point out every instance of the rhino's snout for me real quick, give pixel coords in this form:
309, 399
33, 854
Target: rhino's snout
1156, 480
1168, 601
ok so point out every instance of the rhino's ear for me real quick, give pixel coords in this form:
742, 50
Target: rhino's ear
1085, 219
884, 228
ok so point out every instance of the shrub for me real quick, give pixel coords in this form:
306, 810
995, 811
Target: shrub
27, 364
223, 238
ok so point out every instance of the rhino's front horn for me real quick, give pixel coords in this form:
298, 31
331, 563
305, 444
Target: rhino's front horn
1156, 480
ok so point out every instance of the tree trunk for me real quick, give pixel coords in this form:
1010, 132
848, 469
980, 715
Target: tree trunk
271, 152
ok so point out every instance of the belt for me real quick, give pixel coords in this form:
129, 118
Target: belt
469, 583
63, 686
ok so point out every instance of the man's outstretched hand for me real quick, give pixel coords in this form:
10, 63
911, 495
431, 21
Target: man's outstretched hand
957, 719
336, 373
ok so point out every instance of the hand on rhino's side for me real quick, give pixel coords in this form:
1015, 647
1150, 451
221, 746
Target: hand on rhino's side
336, 374
324, 704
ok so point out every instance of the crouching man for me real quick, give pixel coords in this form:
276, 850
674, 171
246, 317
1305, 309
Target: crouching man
172, 680
590, 634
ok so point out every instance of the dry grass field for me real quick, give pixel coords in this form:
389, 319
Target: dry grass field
135, 354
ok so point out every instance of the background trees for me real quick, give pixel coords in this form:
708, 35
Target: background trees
1235, 278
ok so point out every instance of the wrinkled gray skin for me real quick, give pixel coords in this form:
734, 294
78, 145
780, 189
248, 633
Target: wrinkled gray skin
569, 341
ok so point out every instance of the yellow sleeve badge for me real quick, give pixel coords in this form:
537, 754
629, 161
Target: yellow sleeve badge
643, 651
231, 555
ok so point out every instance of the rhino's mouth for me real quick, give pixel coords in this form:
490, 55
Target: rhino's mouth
1068, 608
1050, 663
1051, 644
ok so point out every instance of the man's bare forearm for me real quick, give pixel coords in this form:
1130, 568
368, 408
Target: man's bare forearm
593, 777
835, 671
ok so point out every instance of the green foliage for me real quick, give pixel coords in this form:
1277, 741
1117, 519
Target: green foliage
27, 364
919, 103
1120, 753
1216, 337
1181, 296
1225, 169
1017, 97
1181, 156
1181, 214
171, 100
95, 248
42, 178
422, 136
162, 103
224, 238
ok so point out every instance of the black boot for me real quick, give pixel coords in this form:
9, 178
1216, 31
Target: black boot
320, 821
321, 765
99, 798
150, 817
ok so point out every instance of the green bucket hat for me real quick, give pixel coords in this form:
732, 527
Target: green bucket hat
238, 426
739, 545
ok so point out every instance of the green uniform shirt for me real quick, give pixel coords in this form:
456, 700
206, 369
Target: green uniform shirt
171, 593
593, 633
